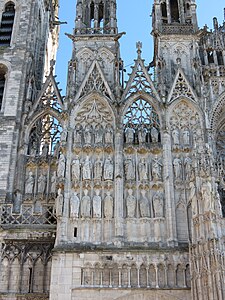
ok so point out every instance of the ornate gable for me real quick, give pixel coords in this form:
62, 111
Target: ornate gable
140, 80
49, 97
95, 81
181, 88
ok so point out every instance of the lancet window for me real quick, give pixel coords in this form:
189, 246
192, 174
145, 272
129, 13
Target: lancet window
44, 136
7, 24
141, 123
174, 11
3, 72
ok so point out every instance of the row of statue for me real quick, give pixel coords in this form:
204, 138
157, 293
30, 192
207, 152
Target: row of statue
40, 183
89, 135
141, 135
181, 137
182, 168
87, 207
145, 205
145, 170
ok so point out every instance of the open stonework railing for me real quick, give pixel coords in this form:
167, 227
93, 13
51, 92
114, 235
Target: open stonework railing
27, 215
177, 29
95, 30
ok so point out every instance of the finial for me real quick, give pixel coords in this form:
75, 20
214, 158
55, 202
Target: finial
52, 65
139, 48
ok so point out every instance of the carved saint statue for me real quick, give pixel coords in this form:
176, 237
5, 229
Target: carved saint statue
177, 168
108, 205
131, 204
76, 168
97, 205
193, 198
109, 135
88, 135
45, 150
129, 134
176, 137
59, 204
186, 137
98, 169
74, 205
29, 183
53, 182
141, 135
77, 135
63, 137
129, 168
87, 169
144, 205
206, 192
156, 169
143, 169
108, 168
99, 134
86, 205
158, 205
154, 135
187, 167
61, 166
42, 181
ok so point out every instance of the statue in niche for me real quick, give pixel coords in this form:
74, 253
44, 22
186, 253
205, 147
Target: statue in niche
98, 168
217, 202
187, 167
144, 205
75, 166
176, 137
86, 205
158, 204
108, 168
45, 150
42, 181
29, 187
53, 183
59, 204
193, 198
206, 192
33, 150
74, 205
177, 165
143, 169
129, 168
88, 135
186, 137
61, 166
87, 169
156, 169
108, 205
99, 134
77, 135
97, 205
154, 135
141, 135
129, 134
109, 135
131, 204
63, 137
56, 150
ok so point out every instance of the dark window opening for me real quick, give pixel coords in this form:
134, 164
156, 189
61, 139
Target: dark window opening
30, 290
101, 15
201, 53
220, 58
175, 18
164, 12
75, 232
6, 27
210, 57
92, 14
3, 72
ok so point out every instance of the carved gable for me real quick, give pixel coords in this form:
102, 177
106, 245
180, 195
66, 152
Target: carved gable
181, 88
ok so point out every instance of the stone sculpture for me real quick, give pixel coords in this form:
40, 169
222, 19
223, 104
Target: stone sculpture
131, 204
74, 205
97, 205
86, 205
108, 205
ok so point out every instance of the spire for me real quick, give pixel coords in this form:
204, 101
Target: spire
96, 17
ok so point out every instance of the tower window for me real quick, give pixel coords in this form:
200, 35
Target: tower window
6, 27
174, 11
210, 57
164, 12
220, 58
3, 72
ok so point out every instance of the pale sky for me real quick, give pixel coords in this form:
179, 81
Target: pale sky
133, 18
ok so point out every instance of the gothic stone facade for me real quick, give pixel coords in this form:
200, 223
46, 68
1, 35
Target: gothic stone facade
115, 191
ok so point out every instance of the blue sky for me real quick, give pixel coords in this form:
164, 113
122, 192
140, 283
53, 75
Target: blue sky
133, 18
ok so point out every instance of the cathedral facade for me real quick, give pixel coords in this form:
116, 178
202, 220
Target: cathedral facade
117, 190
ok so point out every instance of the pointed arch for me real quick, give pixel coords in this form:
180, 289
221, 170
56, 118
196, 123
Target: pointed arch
7, 23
